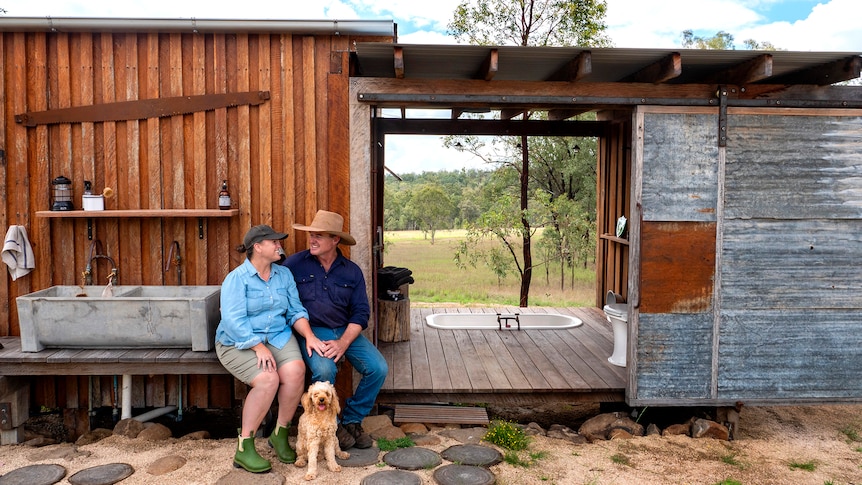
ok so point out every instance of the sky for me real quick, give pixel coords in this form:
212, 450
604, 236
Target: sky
798, 25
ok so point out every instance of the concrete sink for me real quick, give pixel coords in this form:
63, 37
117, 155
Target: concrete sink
135, 317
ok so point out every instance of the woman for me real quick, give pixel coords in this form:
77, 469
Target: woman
259, 305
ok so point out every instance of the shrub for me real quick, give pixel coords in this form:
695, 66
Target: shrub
507, 435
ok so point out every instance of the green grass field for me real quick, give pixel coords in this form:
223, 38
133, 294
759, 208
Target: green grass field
439, 280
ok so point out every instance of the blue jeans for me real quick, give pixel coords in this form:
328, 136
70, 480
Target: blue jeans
364, 357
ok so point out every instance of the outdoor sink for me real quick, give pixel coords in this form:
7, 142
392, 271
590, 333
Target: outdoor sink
135, 317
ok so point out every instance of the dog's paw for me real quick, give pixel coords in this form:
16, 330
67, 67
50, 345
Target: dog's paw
300, 462
342, 454
333, 467
310, 476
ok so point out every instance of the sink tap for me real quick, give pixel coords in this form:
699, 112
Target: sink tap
177, 261
92, 255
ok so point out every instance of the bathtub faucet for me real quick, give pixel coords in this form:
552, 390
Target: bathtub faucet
506, 320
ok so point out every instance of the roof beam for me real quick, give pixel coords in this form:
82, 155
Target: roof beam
490, 127
747, 72
824, 74
576, 69
489, 66
564, 114
398, 61
658, 72
508, 114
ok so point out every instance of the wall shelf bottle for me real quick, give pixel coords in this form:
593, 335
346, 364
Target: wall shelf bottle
201, 214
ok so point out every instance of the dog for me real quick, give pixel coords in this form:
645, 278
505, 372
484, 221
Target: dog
317, 426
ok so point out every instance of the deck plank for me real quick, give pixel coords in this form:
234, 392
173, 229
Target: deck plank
535, 378
475, 371
440, 381
458, 377
421, 367
496, 374
506, 360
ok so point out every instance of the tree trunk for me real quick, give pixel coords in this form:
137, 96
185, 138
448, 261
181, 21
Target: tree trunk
528, 255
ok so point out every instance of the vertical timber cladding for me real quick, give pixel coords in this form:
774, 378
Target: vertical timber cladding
679, 193
791, 310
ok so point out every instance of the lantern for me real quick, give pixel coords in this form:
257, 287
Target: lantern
62, 194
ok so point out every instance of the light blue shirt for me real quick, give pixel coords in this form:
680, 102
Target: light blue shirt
255, 311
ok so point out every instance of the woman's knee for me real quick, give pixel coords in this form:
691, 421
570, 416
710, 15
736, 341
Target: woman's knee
267, 381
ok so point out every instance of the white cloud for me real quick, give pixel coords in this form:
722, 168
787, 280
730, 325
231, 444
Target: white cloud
828, 28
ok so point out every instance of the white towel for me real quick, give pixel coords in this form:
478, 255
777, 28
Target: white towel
17, 253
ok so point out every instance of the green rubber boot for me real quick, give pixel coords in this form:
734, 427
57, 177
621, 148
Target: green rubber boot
279, 442
246, 456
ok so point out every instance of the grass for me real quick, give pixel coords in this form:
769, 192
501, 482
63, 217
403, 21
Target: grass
621, 459
439, 280
728, 481
389, 445
808, 466
851, 433
731, 460
514, 458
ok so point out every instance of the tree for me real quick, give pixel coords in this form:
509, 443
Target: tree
720, 41
531, 22
527, 23
432, 208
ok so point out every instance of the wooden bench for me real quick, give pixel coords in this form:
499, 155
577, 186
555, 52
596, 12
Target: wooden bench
14, 398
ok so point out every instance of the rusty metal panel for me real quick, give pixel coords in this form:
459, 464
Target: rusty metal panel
790, 354
794, 167
680, 173
677, 267
674, 357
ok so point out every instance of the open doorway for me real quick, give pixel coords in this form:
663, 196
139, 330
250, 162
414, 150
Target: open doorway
458, 224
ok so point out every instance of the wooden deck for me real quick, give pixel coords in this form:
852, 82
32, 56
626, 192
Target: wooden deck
509, 366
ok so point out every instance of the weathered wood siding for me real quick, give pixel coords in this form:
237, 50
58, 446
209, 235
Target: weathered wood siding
791, 311
773, 314
283, 160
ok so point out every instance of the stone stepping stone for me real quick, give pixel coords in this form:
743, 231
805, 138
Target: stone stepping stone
102, 474
34, 475
477, 455
413, 458
360, 457
463, 475
392, 477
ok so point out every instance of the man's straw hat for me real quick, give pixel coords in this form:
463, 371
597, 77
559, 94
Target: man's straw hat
330, 223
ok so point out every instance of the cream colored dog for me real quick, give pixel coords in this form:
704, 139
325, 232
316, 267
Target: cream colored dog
317, 427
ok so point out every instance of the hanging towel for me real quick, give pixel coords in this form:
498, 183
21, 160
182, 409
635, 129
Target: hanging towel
17, 253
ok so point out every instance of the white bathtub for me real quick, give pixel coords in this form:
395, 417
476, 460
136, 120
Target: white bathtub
493, 321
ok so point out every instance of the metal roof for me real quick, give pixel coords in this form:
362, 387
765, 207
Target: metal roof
608, 64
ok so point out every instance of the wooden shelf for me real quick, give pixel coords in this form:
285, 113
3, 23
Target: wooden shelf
613, 238
141, 213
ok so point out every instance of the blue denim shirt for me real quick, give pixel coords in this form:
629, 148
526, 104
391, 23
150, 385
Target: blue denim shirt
332, 299
255, 311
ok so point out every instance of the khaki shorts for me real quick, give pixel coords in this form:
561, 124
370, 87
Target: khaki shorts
242, 363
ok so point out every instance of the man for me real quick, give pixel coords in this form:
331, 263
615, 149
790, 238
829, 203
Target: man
332, 289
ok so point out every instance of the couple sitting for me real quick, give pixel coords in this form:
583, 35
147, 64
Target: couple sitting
317, 295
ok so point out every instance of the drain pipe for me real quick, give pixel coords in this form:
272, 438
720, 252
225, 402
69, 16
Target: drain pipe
155, 413
127, 397
127, 404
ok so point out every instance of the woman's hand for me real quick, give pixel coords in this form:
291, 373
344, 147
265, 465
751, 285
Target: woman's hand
265, 360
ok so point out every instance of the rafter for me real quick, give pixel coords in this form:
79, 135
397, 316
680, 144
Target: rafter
746, 72
398, 61
489, 66
824, 74
658, 72
576, 69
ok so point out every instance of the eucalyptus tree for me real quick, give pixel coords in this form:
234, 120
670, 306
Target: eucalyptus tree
523, 23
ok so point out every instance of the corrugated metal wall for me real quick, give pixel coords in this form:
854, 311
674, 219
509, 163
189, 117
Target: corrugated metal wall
283, 159
748, 285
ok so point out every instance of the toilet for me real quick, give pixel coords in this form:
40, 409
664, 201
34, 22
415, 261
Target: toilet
618, 316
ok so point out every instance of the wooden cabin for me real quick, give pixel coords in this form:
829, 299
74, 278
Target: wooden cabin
738, 171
